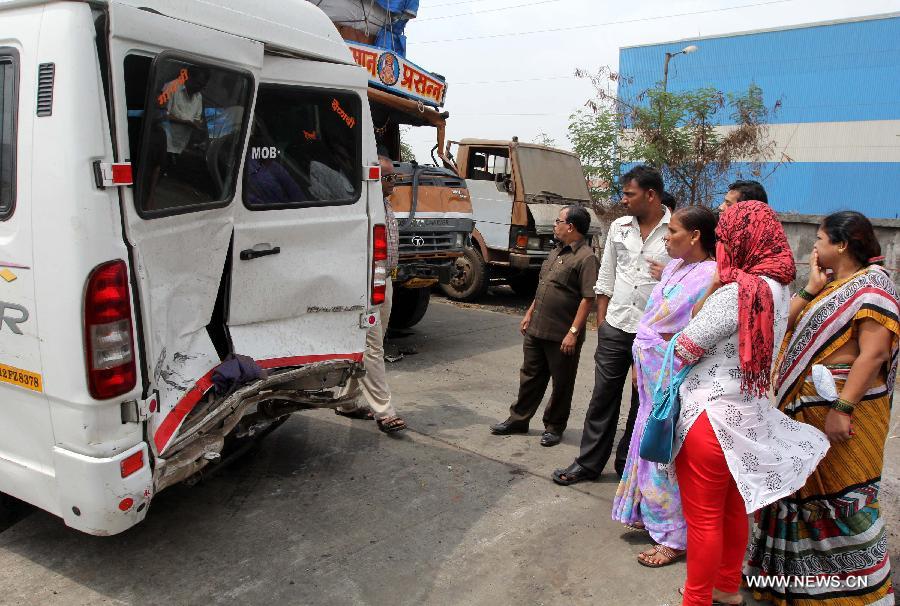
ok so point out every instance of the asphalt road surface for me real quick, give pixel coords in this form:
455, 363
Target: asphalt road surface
331, 511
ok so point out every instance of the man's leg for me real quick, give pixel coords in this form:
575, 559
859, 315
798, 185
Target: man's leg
563, 369
625, 441
374, 384
533, 379
611, 363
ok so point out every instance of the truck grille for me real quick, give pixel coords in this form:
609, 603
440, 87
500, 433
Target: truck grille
426, 242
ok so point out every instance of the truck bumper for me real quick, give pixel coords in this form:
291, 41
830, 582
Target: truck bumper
95, 498
524, 261
420, 274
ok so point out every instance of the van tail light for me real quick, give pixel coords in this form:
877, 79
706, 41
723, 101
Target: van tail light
522, 240
108, 333
379, 264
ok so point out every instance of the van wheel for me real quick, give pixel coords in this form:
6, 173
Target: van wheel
408, 306
12, 510
471, 281
524, 285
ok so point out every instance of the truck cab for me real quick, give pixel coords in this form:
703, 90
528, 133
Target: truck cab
517, 190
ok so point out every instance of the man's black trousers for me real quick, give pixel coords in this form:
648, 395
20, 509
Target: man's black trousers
612, 362
542, 360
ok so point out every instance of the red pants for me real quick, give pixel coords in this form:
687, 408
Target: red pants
716, 518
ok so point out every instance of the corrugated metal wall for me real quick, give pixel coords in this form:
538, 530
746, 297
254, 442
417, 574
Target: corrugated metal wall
839, 120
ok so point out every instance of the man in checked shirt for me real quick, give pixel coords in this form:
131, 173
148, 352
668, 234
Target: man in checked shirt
553, 328
374, 384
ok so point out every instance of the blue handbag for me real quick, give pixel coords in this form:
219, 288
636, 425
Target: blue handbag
659, 432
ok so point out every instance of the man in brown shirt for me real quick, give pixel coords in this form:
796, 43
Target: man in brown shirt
554, 329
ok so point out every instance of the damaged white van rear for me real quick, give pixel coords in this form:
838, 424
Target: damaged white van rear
191, 240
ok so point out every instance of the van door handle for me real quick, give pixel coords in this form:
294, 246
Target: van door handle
252, 253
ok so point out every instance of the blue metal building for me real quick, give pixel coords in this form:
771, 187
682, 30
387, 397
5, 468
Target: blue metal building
839, 119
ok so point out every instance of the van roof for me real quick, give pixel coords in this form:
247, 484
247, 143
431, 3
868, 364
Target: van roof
294, 27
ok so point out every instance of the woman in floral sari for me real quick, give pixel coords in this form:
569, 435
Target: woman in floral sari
647, 497
836, 371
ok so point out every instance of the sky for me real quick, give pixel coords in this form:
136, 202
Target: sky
508, 75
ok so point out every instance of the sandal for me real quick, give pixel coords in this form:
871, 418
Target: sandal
391, 424
637, 526
361, 414
668, 554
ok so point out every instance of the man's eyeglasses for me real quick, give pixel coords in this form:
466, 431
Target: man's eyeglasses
558, 221
391, 178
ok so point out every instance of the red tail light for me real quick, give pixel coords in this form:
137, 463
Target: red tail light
379, 264
108, 334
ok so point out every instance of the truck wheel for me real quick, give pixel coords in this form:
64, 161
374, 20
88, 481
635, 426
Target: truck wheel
524, 285
473, 280
409, 306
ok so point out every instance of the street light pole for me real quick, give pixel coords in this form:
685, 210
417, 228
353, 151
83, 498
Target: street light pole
665, 84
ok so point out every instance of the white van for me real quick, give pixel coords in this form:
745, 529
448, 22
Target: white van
180, 180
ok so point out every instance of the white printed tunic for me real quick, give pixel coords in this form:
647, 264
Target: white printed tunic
769, 454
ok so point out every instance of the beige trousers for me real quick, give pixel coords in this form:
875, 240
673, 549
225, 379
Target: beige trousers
374, 384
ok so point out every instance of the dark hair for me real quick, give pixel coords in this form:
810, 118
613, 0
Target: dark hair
750, 190
701, 219
853, 228
578, 218
668, 200
647, 177
383, 152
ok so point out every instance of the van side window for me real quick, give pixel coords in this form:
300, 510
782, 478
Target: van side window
185, 133
305, 148
8, 100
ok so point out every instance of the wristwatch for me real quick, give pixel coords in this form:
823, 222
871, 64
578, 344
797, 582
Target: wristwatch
573, 330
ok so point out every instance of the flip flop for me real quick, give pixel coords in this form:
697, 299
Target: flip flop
670, 555
716, 602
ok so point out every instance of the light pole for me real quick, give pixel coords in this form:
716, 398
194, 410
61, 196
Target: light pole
685, 51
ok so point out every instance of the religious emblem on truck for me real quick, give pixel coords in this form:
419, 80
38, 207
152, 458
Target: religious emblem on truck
391, 72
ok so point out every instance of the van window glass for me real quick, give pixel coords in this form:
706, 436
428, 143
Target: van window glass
305, 148
7, 134
186, 132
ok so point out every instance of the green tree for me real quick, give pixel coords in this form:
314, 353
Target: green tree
677, 132
543, 138
406, 151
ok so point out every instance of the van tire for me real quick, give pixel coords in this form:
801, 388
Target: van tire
473, 283
408, 306
524, 285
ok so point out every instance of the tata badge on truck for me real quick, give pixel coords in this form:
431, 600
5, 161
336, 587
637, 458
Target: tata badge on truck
517, 191
180, 182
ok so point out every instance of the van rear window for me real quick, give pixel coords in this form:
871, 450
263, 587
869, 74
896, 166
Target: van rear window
190, 126
305, 148
8, 101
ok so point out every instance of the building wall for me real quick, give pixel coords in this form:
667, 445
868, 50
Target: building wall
838, 88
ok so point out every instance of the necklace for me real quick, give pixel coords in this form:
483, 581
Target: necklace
693, 265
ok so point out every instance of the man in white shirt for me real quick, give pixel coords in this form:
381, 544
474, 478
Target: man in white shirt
632, 255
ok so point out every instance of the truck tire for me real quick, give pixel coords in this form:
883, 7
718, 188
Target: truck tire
524, 285
409, 306
473, 282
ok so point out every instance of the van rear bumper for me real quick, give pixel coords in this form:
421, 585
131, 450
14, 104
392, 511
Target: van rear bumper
95, 498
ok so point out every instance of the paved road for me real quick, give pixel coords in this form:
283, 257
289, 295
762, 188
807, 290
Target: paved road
330, 511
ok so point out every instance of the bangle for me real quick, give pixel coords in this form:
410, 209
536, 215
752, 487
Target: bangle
806, 296
843, 406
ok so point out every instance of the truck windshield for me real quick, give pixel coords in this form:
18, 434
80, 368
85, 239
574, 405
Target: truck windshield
554, 173
305, 148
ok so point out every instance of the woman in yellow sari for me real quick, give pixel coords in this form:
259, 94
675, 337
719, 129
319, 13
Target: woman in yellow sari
826, 544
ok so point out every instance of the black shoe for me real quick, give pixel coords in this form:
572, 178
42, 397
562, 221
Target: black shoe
550, 439
508, 427
574, 473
